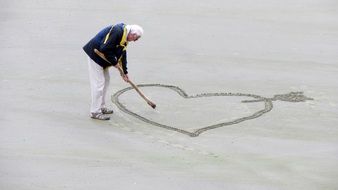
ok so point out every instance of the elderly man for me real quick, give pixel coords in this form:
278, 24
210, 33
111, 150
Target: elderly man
111, 42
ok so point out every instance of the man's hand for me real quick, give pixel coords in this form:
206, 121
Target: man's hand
125, 77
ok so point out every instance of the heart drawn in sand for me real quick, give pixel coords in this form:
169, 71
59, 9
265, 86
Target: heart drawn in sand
290, 97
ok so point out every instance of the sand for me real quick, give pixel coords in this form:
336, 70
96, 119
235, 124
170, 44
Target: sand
263, 48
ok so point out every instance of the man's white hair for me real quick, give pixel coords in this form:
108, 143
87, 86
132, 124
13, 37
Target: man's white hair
136, 29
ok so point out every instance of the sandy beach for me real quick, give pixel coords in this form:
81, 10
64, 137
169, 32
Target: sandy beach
219, 53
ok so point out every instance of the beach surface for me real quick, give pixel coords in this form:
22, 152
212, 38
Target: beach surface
239, 50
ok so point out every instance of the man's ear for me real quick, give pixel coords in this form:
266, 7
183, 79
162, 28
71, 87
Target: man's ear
129, 36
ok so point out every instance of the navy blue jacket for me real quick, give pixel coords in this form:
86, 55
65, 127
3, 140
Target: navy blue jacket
112, 42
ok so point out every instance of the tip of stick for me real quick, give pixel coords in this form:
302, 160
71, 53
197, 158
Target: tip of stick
152, 105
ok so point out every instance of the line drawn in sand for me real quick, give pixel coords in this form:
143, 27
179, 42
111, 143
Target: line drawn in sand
289, 97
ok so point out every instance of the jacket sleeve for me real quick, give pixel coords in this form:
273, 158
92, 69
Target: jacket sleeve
124, 62
108, 48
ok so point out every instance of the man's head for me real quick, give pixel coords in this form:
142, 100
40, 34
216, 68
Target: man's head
135, 33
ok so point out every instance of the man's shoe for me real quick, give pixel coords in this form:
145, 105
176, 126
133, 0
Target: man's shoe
99, 116
106, 111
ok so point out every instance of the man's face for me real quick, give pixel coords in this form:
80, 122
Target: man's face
132, 37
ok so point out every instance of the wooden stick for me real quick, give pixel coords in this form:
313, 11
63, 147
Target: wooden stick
142, 95
129, 81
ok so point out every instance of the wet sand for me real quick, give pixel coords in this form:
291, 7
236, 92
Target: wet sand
263, 48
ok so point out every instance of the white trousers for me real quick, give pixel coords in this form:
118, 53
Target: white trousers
99, 82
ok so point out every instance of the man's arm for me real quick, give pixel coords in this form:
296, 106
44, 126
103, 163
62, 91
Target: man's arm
124, 66
107, 48
119, 68
124, 62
